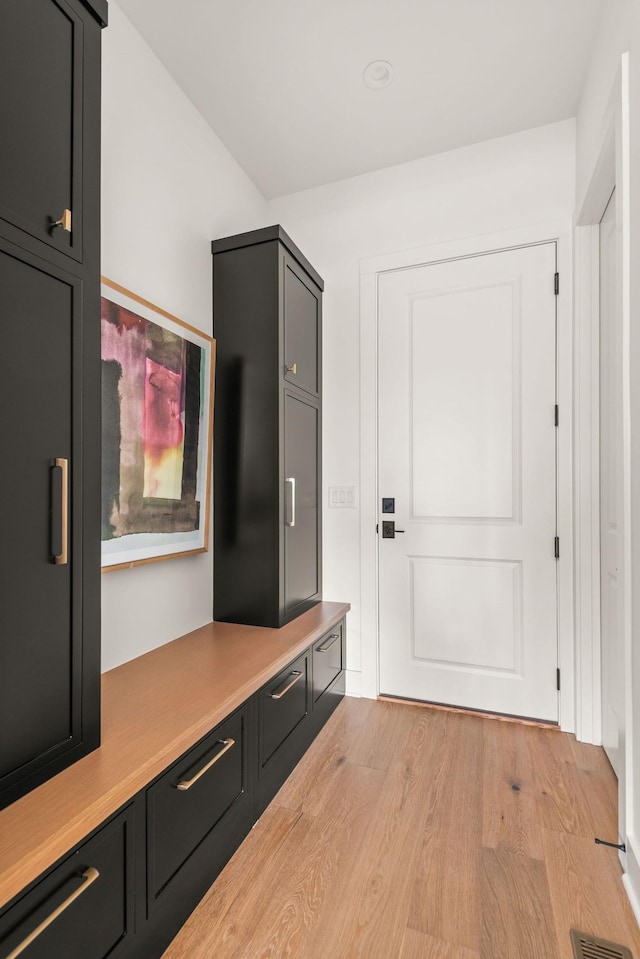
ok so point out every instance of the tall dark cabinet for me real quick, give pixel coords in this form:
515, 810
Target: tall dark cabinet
49, 387
267, 321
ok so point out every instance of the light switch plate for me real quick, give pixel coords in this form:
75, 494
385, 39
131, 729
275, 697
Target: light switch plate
342, 497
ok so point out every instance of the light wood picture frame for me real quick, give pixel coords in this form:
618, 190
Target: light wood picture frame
158, 378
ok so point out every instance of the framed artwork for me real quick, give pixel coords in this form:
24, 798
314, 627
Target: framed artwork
157, 420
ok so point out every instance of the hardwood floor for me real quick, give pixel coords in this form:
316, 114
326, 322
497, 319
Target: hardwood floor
412, 833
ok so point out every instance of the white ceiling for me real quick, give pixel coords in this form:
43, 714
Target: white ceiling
280, 81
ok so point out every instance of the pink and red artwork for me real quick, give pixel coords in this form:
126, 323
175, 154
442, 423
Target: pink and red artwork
157, 395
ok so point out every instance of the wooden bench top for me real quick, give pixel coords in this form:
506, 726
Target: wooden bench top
154, 708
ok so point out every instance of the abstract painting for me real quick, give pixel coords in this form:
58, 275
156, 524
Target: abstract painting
157, 417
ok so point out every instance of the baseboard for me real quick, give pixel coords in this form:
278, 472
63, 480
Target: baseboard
631, 878
354, 682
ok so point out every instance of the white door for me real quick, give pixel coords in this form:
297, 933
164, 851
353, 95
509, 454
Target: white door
611, 505
467, 449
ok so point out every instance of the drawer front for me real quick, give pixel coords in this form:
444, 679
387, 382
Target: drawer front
89, 896
328, 659
283, 703
191, 798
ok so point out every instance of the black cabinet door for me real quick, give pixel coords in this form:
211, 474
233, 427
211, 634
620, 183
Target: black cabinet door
302, 301
41, 64
89, 896
41, 654
301, 513
191, 799
282, 705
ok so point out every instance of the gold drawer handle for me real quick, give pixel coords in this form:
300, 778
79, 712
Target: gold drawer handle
188, 783
291, 480
281, 692
89, 876
293, 368
61, 558
333, 639
64, 221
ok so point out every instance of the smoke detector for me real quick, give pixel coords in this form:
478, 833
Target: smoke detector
378, 74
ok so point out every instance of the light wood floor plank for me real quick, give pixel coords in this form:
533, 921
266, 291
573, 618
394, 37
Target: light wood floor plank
509, 797
372, 922
383, 736
516, 907
599, 782
417, 945
562, 800
447, 870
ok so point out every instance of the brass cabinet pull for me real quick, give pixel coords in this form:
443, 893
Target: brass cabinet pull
293, 368
188, 783
332, 641
285, 689
61, 557
64, 221
89, 876
292, 482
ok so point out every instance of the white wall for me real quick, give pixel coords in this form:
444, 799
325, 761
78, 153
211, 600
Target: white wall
501, 184
168, 187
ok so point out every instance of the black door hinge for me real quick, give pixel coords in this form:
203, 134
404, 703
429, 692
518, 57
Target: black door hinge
557, 415
558, 680
556, 283
556, 544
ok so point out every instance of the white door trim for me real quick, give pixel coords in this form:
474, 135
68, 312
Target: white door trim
611, 168
370, 269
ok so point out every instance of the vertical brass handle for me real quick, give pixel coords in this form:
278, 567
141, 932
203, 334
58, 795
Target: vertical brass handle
64, 221
89, 876
293, 368
60, 511
188, 783
291, 480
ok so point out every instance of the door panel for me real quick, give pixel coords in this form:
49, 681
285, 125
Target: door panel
465, 415
40, 324
301, 328
301, 580
467, 448
40, 166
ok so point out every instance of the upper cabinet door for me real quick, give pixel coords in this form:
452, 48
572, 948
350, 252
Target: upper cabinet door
302, 325
41, 63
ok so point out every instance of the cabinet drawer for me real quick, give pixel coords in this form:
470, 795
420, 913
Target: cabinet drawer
328, 659
83, 908
283, 704
191, 798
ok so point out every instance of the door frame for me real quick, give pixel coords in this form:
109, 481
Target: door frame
370, 270
611, 168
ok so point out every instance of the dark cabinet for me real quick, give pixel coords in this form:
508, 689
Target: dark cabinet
191, 799
267, 319
328, 660
49, 389
83, 909
282, 705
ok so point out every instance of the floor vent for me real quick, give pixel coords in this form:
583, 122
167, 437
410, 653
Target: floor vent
590, 947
